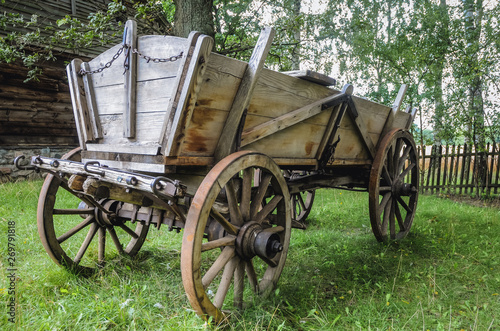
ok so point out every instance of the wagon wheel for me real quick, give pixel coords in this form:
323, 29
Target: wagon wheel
393, 187
72, 231
301, 203
236, 226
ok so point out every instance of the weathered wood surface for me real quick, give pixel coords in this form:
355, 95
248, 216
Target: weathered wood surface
155, 83
130, 77
226, 143
33, 113
184, 107
186, 89
312, 76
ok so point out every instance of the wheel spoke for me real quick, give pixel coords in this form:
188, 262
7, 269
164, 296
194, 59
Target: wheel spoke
239, 284
222, 242
232, 201
116, 241
405, 206
259, 196
407, 170
386, 175
384, 189
246, 193
392, 221
404, 157
384, 201
102, 245
129, 231
225, 282
227, 254
75, 230
86, 243
87, 211
385, 219
268, 209
252, 276
399, 217
230, 228
301, 202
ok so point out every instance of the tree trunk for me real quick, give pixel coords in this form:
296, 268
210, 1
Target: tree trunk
193, 15
473, 23
438, 118
296, 35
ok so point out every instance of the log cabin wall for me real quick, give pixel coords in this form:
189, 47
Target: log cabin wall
36, 117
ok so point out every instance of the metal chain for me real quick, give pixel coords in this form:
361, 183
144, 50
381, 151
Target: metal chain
157, 60
148, 59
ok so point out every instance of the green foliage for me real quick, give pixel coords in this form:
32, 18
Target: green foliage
444, 275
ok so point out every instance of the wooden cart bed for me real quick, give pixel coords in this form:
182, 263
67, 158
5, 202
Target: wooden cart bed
157, 114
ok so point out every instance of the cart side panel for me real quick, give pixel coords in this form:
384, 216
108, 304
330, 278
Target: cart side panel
154, 87
275, 94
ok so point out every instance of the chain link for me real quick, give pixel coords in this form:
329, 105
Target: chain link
148, 59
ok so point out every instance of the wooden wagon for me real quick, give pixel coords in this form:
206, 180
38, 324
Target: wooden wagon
172, 134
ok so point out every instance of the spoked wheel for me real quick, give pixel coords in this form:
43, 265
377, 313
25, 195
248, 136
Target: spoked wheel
236, 236
76, 230
393, 187
301, 203
301, 207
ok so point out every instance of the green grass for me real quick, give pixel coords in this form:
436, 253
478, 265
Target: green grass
444, 276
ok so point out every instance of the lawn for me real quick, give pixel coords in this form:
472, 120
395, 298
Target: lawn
444, 276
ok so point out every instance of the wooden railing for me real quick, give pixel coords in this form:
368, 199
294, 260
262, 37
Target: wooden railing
460, 169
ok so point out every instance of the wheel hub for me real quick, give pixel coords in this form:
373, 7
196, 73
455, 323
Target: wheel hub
402, 189
108, 219
253, 239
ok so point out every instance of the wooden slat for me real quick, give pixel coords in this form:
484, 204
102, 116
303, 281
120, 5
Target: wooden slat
91, 103
394, 110
361, 128
265, 129
129, 113
80, 110
312, 76
244, 94
189, 81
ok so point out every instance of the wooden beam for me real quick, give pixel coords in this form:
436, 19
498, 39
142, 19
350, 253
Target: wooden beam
361, 128
333, 123
80, 109
91, 102
395, 108
282, 122
226, 143
129, 113
412, 113
312, 76
189, 81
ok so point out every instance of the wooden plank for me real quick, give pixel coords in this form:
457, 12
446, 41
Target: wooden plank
361, 128
91, 103
244, 94
282, 122
312, 76
445, 168
394, 110
189, 81
333, 126
79, 105
129, 113
151, 96
413, 113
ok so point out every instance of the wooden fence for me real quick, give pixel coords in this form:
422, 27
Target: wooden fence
460, 169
